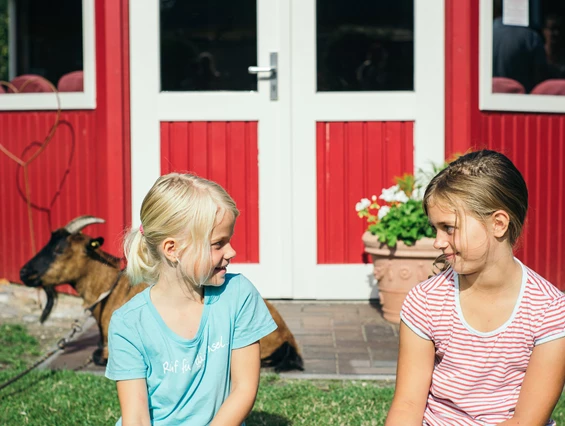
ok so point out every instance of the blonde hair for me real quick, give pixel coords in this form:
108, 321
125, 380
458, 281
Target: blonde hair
182, 206
482, 182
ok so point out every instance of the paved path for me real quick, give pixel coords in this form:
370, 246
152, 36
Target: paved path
337, 339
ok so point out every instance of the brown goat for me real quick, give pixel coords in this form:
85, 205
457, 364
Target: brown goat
75, 258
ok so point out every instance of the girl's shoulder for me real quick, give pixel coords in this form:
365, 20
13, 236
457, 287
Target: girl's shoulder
432, 293
139, 301
442, 283
539, 288
235, 286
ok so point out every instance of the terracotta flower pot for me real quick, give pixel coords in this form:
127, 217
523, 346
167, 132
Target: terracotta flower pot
398, 270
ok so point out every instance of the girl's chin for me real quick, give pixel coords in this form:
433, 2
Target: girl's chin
217, 279
215, 283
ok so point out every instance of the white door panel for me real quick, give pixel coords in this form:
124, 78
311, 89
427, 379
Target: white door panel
150, 106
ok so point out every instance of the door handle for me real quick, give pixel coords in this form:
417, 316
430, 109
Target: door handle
257, 70
273, 78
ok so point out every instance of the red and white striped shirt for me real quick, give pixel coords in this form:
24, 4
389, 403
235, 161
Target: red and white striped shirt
477, 376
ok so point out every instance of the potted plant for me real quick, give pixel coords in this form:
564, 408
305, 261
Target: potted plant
399, 239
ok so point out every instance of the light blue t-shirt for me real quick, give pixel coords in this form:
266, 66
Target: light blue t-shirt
187, 380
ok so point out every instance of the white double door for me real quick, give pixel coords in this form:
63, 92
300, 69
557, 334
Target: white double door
285, 29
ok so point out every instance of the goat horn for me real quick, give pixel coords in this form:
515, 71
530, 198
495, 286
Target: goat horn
79, 223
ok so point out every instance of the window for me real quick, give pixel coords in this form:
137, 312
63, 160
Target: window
44, 48
522, 55
365, 45
208, 45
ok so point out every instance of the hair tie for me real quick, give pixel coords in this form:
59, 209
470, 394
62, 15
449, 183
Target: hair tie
141, 229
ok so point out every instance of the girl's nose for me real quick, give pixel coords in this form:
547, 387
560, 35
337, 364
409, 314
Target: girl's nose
230, 252
440, 241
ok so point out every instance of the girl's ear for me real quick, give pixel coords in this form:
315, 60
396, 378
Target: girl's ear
169, 247
500, 222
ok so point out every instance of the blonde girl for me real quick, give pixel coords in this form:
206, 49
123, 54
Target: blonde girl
185, 351
482, 342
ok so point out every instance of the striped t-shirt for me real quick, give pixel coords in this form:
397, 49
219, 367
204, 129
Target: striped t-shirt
477, 376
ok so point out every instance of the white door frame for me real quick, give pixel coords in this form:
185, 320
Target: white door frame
424, 105
149, 107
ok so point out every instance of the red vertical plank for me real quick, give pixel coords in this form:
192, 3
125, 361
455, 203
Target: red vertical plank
557, 265
551, 187
217, 144
236, 186
165, 148
355, 185
335, 178
199, 152
252, 191
321, 136
179, 147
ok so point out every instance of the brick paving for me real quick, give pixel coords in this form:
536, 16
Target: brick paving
337, 339
342, 338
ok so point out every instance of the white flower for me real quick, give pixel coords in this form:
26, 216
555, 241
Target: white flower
394, 194
363, 204
418, 193
401, 197
383, 211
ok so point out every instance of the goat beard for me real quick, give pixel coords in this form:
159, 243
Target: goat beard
50, 302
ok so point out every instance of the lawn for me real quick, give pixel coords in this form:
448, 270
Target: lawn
66, 398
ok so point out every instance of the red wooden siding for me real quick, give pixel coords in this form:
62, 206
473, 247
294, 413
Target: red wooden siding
62, 181
92, 146
225, 152
533, 141
355, 160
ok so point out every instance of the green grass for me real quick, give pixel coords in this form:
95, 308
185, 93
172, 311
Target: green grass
65, 398
17, 348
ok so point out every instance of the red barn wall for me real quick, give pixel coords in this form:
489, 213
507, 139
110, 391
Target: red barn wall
532, 140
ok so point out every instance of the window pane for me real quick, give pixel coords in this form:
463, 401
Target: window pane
208, 45
528, 50
39, 40
365, 45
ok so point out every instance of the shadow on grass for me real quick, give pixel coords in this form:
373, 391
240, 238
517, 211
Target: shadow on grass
24, 383
260, 418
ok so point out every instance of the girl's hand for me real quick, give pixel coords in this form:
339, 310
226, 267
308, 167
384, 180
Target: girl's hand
413, 379
245, 370
133, 402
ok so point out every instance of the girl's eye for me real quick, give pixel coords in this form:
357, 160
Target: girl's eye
449, 229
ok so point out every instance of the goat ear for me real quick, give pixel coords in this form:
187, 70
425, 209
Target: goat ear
95, 243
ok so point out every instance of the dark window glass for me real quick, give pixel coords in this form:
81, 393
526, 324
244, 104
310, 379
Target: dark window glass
47, 39
4, 30
208, 45
529, 59
365, 45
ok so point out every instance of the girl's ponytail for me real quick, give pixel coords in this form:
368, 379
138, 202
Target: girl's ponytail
141, 267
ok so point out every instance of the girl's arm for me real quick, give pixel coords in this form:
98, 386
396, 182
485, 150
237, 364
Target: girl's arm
542, 385
413, 379
133, 402
245, 369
